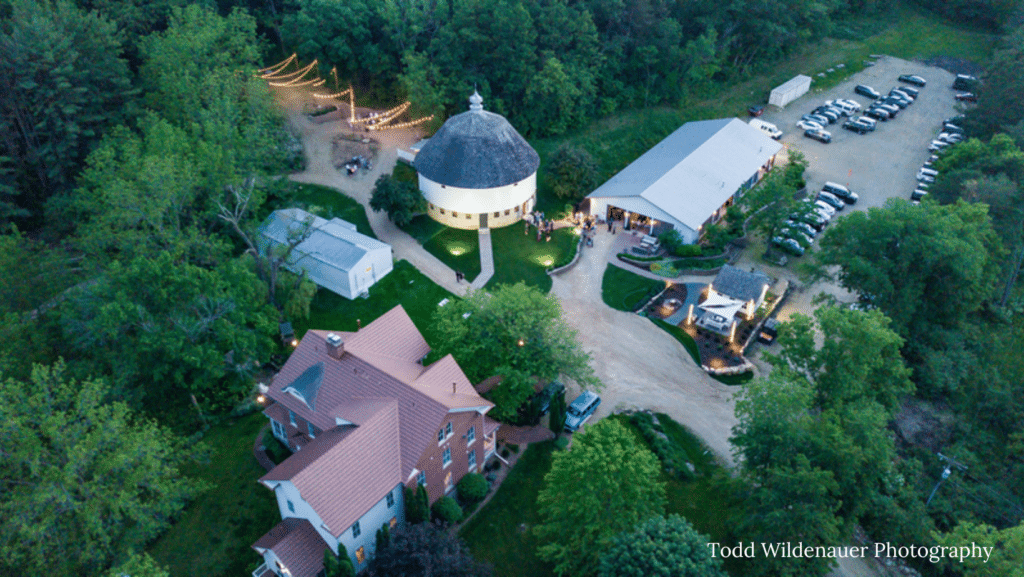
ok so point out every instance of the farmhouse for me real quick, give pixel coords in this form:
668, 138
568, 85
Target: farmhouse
334, 255
687, 180
477, 171
734, 293
365, 418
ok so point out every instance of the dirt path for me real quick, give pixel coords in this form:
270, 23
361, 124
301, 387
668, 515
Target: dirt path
641, 365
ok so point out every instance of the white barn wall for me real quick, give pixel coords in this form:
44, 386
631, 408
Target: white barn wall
517, 198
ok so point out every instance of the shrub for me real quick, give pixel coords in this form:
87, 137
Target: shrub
447, 511
275, 449
416, 510
688, 250
557, 419
673, 457
656, 267
473, 488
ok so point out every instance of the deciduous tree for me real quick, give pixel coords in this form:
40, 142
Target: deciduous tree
572, 172
606, 484
660, 547
426, 549
84, 479
400, 199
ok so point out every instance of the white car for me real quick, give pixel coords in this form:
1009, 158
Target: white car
869, 121
809, 125
937, 145
823, 206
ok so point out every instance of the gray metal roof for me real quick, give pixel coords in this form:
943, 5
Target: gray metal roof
335, 243
477, 149
694, 170
740, 284
308, 384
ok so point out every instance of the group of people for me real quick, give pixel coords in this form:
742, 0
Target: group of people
544, 227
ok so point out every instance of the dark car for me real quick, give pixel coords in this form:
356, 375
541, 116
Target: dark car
966, 97
900, 93
958, 120
952, 128
546, 395
918, 194
828, 112
810, 217
756, 110
896, 101
854, 126
877, 113
865, 90
831, 200
788, 245
911, 91
964, 82
913, 79
820, 135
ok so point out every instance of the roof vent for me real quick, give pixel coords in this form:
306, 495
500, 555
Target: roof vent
335, 346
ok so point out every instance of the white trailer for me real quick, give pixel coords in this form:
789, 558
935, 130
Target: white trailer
793, 88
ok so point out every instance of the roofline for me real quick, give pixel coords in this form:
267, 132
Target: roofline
482, 409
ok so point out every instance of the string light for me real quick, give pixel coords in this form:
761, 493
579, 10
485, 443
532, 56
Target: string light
403, 124
385, 116
277, 67
298, 74
335, 95
295, 84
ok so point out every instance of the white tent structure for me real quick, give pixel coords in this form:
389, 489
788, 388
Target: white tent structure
793, 88
334, 255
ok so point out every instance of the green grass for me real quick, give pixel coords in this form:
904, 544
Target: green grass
405, 173
519, 257
457, 248
625, 291
500, 533
680, 335
404, 285
213, 536
327, 203
423, 228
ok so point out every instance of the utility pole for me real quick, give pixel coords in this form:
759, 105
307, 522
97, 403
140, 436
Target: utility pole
950, 463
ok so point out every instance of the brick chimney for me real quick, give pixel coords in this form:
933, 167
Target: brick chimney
335, 346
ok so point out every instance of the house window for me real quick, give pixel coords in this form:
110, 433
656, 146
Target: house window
442, 210
447, 458
391, 500
393, 522
360, 555
291, 419
311, 429
440, 436
470, 435
279, 431
472, 460
455, 214
448, 430
468, 216
291, 506
355, 530
422, 479
517, 209
497, 214
430, 205
507, 211
448, 482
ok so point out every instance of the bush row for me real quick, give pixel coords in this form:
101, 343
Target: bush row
673, 457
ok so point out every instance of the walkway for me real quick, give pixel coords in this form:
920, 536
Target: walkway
486, 260
318, 142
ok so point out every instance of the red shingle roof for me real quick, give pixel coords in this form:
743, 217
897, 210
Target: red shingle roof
297, 544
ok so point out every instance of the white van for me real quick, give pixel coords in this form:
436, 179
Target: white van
766, 127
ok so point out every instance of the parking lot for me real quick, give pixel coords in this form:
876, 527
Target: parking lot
881, 164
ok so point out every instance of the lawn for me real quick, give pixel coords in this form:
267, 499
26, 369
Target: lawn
519, 257
326, 203
500, 533
457, 248
680, 335
626, 291
213, 536
404, 285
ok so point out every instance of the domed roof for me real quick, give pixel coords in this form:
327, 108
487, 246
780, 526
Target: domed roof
477, 149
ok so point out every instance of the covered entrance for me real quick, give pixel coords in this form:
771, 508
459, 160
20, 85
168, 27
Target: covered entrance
483, 220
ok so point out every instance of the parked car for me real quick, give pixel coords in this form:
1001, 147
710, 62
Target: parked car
966, 97
950, 127
913, 79
964, 82
768, 128
925, 178
824, 208
854, 126
896, 101
892, 109
937, 145
546, 395
756, 110
900, 93
831, 200
848, 107
958, 120
865, 90
918, 194
911, 91
788, 245
877, 113
841, 192
822, 120
802, 227
950, 137
867, 121
810, 218
822, 136
928, 171
580, 410
809, 125
828, 112
802, 239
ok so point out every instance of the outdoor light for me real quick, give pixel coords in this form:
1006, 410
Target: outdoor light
547, 261
456, 250
295, 342
521, 342
261, 399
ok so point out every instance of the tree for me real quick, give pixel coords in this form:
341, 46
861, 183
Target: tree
84, 479
516, 329
400, 199
557, 418
428, 550
572, 172
925, 267
769, 203
62, 82
139, 565
339, 565
1007, 559
660, 547
172, 334
606, 484
417, 509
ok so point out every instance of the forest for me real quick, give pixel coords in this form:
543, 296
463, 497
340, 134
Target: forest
136, 159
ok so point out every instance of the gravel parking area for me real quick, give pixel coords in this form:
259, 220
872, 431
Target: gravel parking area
880, 164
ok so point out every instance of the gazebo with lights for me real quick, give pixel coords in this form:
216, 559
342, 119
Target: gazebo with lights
477, 171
